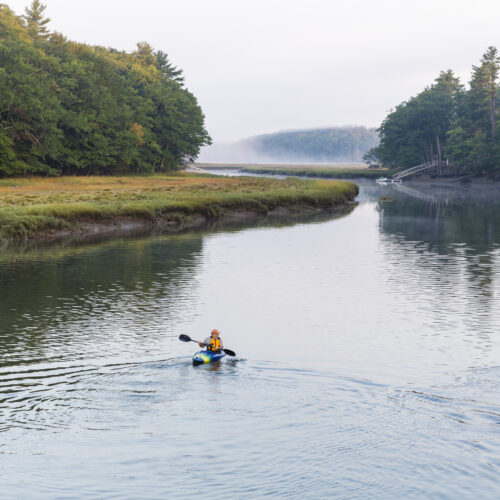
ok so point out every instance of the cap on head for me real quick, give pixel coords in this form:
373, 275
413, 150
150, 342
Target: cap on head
215, 331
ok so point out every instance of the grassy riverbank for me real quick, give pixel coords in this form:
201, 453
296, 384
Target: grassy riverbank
320, 172
33, 208
333, 171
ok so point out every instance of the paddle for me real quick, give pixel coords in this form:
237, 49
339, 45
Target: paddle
187, 338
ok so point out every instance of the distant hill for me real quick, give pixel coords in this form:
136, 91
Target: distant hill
322, 145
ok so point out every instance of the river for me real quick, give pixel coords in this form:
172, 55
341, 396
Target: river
368, 357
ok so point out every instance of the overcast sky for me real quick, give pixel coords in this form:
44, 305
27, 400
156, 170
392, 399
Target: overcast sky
260, 66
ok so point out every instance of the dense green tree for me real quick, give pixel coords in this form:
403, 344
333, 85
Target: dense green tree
471, 140
415, 131
484, 88
29, 106
8, 161
67, 107
447, 121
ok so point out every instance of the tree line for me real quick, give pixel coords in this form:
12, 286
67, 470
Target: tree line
68, 108
324, 144
447, 121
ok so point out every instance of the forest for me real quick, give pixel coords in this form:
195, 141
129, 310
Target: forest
322, 144
447, 121
71, 108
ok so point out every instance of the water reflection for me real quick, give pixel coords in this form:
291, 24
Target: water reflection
443, 216
72, 300
461, 225
445, 240
95, 296
367, 365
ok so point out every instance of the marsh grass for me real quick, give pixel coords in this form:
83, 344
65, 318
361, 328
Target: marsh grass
321, 172
314, 170
33, 206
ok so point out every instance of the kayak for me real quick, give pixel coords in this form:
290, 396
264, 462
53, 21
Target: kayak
202, 357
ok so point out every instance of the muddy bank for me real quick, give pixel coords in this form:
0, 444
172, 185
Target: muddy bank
92, 230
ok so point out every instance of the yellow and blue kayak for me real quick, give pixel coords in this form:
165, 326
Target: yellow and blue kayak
202, 357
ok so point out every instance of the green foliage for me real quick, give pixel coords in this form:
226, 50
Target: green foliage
67, 107
472, 139
327, 144
416, 130
447, 121
8, 160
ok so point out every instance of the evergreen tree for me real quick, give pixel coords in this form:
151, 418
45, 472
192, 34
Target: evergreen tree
167, 69
441, 104
415, 132
35, 20
471, 140
484, 88
448, 121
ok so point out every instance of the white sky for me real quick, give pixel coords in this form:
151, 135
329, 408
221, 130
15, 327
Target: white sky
265, 65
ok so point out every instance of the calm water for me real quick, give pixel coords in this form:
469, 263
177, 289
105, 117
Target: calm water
368, 358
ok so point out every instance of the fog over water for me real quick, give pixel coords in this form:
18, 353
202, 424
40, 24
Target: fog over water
242, 153
319, 145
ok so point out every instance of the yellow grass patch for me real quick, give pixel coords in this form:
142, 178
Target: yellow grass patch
29, 206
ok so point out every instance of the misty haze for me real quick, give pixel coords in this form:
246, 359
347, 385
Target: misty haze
325, 145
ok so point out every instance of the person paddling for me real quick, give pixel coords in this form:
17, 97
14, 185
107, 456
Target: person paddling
213, 343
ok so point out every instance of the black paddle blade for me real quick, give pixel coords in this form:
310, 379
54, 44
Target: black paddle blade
229, 352
185, 338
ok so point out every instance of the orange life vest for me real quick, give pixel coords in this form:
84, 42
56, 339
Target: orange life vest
214, 345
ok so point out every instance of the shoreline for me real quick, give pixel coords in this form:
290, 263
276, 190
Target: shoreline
239, 165
303, 171
333, 171
87, 230
60, 209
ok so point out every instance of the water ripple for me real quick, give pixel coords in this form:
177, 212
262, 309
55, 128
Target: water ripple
369, 362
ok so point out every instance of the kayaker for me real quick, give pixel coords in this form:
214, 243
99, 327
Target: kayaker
213, 343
